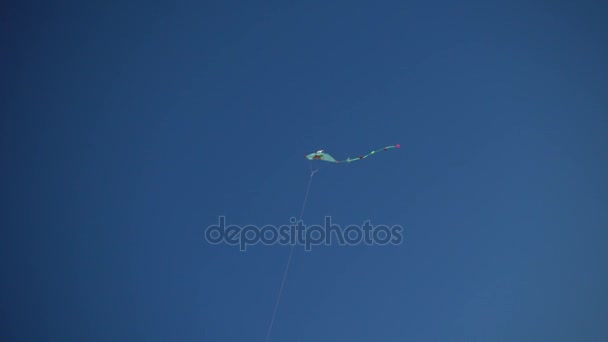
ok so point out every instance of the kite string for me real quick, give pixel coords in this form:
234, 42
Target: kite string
276, 306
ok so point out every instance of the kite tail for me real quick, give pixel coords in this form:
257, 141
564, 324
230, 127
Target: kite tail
348, 160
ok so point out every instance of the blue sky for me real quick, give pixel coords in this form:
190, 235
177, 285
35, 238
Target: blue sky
128, 128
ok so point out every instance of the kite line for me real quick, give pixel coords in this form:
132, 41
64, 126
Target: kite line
276, 306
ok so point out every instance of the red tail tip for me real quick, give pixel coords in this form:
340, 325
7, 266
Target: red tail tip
398, 146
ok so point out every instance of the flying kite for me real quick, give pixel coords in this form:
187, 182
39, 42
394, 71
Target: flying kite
322, 155
319, 155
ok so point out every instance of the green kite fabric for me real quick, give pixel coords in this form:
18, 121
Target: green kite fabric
321, 155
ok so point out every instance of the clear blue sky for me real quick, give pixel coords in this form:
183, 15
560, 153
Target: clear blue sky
128, 127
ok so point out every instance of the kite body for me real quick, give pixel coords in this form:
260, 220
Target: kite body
321, 155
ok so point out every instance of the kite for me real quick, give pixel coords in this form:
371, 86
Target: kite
322, 155
319, 155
